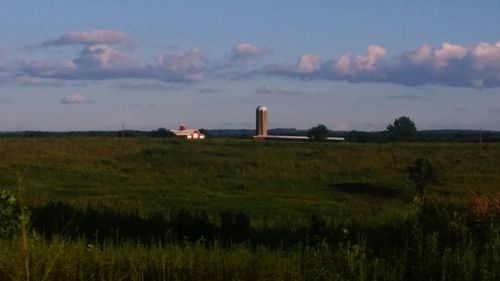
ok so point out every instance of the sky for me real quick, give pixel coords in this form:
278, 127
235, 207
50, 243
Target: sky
350, 65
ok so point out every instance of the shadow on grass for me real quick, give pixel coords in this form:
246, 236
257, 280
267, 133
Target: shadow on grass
368, 189
450, 224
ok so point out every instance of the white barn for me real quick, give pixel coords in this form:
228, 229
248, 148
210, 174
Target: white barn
190, 134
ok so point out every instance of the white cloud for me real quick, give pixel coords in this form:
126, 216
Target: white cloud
308, 63
184, 66
103, 56
89, 38
423, 54
349, 64
307, 67
486, 56
74, 99
448, 52
450, 65
104, 62
246, 51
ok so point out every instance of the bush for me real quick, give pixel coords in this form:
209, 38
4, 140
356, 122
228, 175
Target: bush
9, 214
162, 133
424, 173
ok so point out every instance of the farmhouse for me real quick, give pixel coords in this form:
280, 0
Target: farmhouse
189, 134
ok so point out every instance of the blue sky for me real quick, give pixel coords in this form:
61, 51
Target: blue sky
351, 65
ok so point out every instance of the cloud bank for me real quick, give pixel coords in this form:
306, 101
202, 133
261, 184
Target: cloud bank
104, 56
448, 65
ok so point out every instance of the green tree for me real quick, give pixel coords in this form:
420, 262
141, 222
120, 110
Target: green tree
161, 133
424, 173
403, 128
203, 131
318, 133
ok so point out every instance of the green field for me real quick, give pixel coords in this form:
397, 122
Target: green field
264, 179
278, 186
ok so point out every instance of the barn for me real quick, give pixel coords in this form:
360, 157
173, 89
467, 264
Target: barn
190, 134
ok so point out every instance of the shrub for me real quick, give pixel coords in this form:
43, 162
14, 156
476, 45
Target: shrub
424, 173
9, 214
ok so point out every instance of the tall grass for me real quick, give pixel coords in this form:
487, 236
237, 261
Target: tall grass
439, 242
61, 259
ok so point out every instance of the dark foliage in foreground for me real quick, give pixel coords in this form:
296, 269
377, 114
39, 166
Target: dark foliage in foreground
450, 223
438, 242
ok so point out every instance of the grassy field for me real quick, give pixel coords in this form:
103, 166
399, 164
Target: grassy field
256, 210
266, 180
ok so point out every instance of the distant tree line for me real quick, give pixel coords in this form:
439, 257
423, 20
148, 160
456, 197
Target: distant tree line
159, 133
402, 129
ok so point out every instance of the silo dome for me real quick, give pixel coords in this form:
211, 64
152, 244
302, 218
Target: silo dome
262, 108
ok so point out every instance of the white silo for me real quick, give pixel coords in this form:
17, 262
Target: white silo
261, 126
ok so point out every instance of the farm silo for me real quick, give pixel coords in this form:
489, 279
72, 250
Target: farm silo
261, 126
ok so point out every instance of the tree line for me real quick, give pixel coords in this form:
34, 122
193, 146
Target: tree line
403, 129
